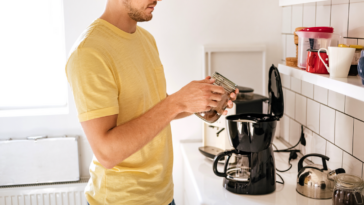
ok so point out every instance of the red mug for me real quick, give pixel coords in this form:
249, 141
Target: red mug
314, 64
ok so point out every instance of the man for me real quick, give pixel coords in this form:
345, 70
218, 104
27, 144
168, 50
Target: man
119, 88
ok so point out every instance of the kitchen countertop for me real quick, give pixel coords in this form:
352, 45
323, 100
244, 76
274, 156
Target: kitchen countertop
206, 188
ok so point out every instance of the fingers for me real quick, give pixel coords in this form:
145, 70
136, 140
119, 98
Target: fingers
225, 112
216, 97
216, 89
212, 103
230, 104
233, 96
206, 80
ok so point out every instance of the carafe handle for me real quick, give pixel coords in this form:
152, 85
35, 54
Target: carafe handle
216, 160
318, 53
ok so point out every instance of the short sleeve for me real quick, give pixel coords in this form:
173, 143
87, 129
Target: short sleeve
93, 84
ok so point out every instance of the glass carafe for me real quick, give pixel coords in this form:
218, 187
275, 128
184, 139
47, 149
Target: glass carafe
238, 168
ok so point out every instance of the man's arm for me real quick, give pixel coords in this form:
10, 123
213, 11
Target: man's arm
230, 104
112, 144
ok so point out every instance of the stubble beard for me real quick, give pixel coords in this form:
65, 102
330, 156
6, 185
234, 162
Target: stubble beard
137, 14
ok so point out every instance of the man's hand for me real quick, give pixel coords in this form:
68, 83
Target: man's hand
201, 96
198, 96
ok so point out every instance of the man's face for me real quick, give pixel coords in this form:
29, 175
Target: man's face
140, 10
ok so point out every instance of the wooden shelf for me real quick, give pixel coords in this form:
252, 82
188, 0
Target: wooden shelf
293, 2
351, 86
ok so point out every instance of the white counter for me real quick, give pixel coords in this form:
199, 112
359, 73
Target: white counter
203, 187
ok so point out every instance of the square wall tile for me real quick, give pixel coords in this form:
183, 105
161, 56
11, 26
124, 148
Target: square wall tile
284, 47
296, 84
354, 108
284, 123
309, 15
352, 165
300, 114
327, 123
307, 89
287, 19
289, 107
323, 13
356, 16
290, 47
297, 15
335, 154
361, 42
318, 145
286, 81
320, 94
336, 100
358, 140
313, 115
339, 17
344, 129
294, 132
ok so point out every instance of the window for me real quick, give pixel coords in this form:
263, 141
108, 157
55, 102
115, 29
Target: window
32, 58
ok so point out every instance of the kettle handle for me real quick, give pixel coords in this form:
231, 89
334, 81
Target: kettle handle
216, 160
323, 157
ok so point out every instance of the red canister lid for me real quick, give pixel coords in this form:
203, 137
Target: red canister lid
319, 29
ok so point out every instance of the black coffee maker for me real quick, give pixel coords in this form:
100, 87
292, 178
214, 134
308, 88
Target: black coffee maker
252, 170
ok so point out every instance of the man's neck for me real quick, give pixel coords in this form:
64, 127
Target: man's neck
116, 14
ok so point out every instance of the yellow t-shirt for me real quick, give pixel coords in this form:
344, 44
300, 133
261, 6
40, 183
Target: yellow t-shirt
114, 72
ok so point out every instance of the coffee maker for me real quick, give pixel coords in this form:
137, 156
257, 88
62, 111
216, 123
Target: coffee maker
215, 139
253, 169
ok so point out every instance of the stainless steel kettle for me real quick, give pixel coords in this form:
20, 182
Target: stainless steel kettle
316, 181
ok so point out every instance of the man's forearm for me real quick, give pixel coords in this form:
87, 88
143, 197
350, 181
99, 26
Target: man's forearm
126, 139
182, 115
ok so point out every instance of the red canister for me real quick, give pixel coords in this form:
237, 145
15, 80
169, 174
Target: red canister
314, 64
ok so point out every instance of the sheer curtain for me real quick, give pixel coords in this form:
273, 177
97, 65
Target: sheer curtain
32, 55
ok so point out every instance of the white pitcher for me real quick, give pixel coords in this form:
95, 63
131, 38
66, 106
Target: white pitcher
339, 60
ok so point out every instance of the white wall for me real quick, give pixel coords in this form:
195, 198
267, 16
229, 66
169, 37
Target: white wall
180, 29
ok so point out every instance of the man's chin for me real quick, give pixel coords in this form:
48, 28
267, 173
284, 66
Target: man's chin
146, 18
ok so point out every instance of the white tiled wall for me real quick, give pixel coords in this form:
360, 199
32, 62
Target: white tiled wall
354, 108
356, 28
320, 94
323, 13
345, 16
307, 89
313, 115
300, 113
336, 100
344, 129
333, 124
327, 123
309, 15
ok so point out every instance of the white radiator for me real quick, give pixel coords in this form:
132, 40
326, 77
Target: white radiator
53, 194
